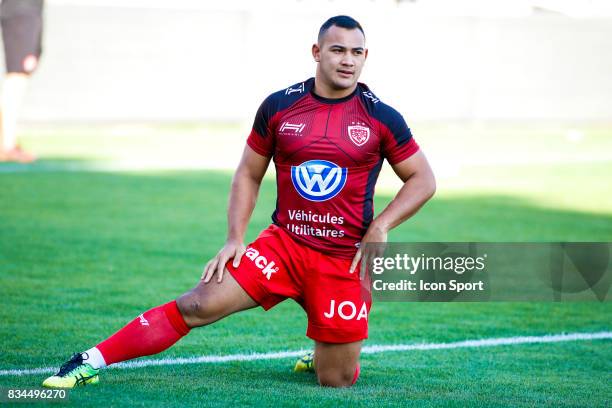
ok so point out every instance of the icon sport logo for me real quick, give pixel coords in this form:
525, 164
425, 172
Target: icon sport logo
318, 180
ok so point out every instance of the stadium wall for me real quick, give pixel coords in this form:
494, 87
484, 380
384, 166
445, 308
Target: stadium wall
127, 63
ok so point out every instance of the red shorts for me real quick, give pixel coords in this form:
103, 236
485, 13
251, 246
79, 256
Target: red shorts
275, 268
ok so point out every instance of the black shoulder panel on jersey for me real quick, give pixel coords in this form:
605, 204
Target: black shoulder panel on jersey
385, 114
279, 101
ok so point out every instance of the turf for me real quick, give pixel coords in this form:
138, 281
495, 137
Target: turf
82, 252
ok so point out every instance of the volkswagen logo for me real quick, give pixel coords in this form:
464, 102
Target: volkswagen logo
318, 180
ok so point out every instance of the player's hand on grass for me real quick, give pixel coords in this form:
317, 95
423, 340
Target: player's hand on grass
231, 249
374, 234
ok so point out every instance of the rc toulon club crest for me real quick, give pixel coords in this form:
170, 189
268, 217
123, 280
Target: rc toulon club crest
359, 134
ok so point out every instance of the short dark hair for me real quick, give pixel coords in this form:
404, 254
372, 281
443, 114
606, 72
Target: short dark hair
340, 21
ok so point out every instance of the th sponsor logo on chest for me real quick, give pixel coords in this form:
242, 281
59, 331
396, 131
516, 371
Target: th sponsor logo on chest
358, 133
291, 128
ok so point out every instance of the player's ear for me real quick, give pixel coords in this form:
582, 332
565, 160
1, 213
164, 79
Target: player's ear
365, 53
316, 52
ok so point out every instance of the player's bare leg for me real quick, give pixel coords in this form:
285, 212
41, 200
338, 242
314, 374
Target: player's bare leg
13, 92
337, 365
155, 330
209, 302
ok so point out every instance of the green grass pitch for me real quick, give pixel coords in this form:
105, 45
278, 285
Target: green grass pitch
82, 252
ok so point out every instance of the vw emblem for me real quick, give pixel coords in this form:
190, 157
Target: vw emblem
318, 180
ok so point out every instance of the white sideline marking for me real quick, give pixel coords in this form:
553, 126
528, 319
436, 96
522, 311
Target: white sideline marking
503, 341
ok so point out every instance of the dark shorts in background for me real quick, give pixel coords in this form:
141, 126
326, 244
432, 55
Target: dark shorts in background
22, 38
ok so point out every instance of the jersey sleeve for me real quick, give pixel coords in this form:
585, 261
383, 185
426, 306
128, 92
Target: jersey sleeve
398, 144
261, 138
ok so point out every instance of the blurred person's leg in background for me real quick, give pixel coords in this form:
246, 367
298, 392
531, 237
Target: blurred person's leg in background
22, 24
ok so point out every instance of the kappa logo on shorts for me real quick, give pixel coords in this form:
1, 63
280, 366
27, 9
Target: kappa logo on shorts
346, 310
318, 180
260, 261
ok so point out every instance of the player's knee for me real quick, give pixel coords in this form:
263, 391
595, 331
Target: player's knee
197, 310
336, 377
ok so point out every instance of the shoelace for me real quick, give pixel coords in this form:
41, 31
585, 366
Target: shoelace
308, 359
75, 361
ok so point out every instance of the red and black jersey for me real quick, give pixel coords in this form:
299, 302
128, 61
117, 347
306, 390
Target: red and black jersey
328, 154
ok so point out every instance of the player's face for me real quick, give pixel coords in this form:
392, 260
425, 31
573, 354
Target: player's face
340, 54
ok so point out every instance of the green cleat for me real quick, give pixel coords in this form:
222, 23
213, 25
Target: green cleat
305, 364
73, 373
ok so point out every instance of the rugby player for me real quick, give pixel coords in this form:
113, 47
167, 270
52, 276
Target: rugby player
328, 137
22, 25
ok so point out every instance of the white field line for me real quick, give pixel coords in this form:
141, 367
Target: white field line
504, 341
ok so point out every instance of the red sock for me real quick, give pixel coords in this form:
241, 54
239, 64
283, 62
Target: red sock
150, 333
356, 376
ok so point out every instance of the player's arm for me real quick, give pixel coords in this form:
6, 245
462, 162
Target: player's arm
419, 186
243, 196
